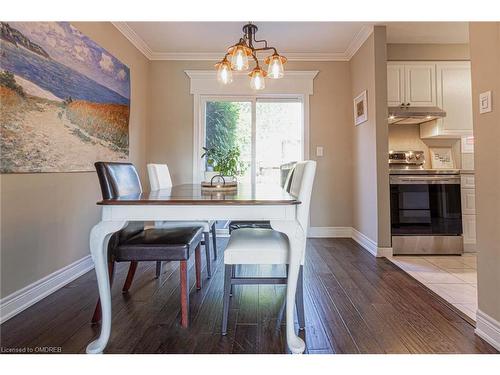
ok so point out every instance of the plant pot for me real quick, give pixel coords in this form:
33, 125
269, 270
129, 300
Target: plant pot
209, 175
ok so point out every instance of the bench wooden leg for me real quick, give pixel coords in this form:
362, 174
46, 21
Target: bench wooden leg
206, 243
197, 265
158, 269
214, 239
228, 272
184, 294
130, 276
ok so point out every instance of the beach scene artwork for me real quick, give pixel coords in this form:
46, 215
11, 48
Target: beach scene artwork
64, 100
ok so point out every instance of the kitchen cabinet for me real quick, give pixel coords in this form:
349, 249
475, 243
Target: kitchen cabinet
468, 201
411, 83
420, 84
454, 95
469, 234
395, 84
468, 193
445, 84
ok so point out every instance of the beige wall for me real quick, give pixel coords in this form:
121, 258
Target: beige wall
485, 64
427, 52
171, 131
370, 173
46, 217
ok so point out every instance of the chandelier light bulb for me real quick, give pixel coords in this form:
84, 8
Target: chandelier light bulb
224, 73
257, 81
275, 68
239, 59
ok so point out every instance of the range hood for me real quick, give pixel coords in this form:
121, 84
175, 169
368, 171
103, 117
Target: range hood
414, 115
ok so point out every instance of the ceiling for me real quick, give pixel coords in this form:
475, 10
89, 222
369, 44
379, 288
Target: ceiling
296, 40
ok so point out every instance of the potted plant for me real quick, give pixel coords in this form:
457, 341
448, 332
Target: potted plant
223, 162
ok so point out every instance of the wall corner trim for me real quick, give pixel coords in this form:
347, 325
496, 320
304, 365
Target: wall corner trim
20, 300
488, 329
358, 41
134, 38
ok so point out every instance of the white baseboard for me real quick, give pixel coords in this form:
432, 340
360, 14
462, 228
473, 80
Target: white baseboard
470, 247
314, 232
332, 232
370, 245
349, 232
384, 252
366, 242
20, 300
488, 329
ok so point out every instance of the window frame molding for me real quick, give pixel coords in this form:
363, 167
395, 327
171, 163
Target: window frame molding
203, 85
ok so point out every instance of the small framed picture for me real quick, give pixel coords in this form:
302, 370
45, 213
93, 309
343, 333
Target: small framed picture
360, 108
441, 158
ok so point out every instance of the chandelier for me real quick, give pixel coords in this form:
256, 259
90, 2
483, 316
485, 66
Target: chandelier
237, 57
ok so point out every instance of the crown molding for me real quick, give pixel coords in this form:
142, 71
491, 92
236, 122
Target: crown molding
216, 56
358, 40
133, 38
143, 47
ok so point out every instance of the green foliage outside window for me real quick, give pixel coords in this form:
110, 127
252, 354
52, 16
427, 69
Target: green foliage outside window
221, 124
222, 152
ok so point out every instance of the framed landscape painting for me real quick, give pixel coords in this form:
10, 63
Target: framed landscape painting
65, 101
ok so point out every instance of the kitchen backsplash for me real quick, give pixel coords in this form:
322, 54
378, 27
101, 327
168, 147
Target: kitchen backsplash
407, 137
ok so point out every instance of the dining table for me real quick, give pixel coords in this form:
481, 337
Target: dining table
190, 202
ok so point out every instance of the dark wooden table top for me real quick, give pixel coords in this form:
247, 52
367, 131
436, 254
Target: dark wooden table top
191, 194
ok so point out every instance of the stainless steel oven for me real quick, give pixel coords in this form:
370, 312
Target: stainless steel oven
426, 214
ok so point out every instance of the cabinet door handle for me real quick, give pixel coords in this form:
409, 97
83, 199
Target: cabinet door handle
407, 104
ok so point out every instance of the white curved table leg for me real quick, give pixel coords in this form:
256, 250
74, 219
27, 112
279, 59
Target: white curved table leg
99, 238
297, 241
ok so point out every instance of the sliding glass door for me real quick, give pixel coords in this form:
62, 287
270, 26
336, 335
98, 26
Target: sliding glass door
269, 132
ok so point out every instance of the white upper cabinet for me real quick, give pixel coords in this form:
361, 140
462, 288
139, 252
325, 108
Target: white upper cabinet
395, 84
445, 84
454, 95
420, 84
411, 83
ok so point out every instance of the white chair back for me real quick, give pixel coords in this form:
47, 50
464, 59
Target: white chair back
159, 176
302, 184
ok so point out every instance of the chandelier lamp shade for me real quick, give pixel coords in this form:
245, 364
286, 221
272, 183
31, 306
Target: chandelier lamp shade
238, 58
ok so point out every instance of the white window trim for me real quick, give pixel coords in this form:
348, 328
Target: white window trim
203, 83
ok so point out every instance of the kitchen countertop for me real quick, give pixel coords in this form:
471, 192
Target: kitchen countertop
467, 171
415, 171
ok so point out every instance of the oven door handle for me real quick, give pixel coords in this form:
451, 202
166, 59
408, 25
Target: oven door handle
424, 180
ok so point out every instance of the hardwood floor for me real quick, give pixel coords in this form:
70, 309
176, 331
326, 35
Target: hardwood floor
354, 303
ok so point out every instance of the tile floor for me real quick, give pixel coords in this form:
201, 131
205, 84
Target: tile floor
452, 277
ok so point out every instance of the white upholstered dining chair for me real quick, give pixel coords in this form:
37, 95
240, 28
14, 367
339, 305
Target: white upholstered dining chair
159, 178
267, 246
